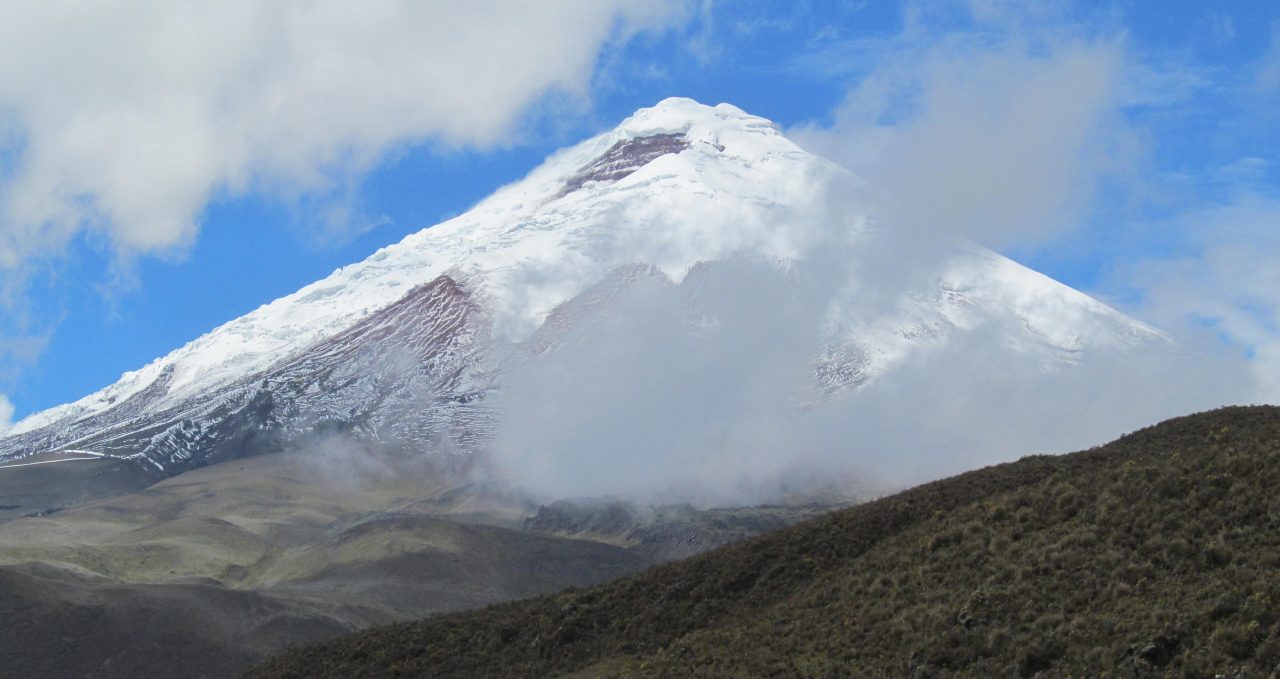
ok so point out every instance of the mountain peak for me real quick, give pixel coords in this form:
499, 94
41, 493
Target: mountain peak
681, 115
672, 186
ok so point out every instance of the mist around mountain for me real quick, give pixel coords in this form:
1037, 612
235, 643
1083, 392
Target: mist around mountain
1152, 556
686, 308
682, 332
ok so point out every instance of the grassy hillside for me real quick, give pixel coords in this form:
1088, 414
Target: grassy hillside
1155, 555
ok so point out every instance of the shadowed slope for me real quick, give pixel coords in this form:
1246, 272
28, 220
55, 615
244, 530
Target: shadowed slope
1152, 556
206, 573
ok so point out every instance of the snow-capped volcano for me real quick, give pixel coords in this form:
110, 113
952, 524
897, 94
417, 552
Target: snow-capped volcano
406, 344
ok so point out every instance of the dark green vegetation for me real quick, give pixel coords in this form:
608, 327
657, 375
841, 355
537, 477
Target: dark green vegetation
1155, 555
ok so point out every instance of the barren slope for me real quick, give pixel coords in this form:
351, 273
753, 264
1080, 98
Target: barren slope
204, 573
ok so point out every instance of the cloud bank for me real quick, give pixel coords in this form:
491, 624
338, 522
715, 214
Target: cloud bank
124, 119
696, 392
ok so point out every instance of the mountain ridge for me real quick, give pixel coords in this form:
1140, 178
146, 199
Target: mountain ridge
671, 187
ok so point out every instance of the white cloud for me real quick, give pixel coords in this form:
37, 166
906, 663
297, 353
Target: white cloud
999, 139
1226, 285
689, 392
658, 395
127, 118
6, 413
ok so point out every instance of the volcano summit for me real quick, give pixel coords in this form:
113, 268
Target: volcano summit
698, 205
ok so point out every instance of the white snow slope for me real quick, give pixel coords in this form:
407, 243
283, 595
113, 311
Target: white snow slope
697, 184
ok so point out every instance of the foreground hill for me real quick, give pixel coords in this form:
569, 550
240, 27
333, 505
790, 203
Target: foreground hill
1155, 555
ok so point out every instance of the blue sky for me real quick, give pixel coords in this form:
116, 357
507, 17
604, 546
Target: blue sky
163, 170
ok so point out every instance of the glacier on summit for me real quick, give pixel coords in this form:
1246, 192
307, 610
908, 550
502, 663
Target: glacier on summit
408, 345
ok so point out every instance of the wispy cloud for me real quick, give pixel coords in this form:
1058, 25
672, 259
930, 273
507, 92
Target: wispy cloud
1002, 140
1019, 128
1268, 79
1223, 286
